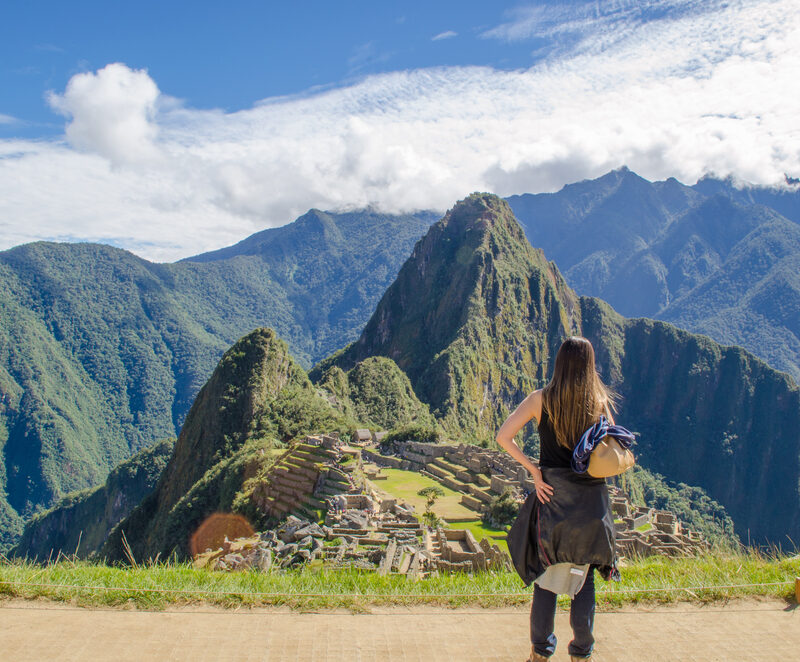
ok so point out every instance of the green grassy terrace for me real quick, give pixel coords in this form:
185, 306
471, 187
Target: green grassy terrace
653, 580
405, 485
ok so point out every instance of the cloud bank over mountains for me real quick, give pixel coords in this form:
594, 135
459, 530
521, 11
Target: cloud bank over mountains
684, 90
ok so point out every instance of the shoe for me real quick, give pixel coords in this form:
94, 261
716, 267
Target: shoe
535, 657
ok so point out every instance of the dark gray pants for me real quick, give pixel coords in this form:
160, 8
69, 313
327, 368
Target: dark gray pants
581, 618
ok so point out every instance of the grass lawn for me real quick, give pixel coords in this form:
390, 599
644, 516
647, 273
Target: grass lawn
405, 485
653, 580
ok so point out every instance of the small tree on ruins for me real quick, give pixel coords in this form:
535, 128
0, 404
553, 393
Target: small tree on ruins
430, 493
502, 511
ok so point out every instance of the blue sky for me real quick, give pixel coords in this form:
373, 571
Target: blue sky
171, 128
230, 56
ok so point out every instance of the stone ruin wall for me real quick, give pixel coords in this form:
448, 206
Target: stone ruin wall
377, 531
666, 534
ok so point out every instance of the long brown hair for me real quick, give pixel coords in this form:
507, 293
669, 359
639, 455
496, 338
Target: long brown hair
575, 397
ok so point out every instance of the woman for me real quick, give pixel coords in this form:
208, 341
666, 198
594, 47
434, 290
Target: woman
578, 510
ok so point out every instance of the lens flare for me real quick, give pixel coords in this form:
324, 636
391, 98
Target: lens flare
215, 528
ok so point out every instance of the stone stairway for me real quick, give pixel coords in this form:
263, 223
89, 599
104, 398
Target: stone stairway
435, 547
336, 482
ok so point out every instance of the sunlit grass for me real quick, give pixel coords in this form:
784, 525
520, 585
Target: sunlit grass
405, 485
703, 579
172, 584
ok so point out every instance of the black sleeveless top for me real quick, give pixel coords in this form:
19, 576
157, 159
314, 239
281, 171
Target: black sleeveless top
551, 453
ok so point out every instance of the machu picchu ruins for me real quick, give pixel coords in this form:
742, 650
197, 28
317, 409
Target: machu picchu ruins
327, 499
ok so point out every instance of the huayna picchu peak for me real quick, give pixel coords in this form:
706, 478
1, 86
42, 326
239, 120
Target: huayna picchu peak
476, 315
472, 310
468, 327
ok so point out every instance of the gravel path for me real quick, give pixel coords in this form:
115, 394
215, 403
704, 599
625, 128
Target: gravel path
739, 631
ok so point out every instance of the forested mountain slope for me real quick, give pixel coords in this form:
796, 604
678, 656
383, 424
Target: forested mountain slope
102, 353
476, 316
256, 401
80, 523
680, 253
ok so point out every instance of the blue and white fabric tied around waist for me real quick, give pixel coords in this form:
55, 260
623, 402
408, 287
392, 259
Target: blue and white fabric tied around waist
593, 436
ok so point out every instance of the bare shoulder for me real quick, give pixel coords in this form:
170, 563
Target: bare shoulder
533, 405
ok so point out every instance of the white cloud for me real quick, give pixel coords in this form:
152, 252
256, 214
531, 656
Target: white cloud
599, 23
690, 94
112, 113
448, 34
7, 119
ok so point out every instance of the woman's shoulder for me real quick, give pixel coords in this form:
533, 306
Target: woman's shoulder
536, 404
530, 407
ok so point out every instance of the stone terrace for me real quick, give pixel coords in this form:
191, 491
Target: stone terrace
366, 527
300, 480
480, 475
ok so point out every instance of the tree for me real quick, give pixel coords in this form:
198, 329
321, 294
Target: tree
430, 493
502, 510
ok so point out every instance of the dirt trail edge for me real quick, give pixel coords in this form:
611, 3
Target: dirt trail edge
739, 631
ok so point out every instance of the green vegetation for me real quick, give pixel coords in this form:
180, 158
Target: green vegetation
705, 258
643, 580
428, 434
103, 353
257, 400
473, 318
691, 504
476, 315
708, 416
430, 494
406, 485
11, 525
80, 522
161, 585
377, 394
503, 510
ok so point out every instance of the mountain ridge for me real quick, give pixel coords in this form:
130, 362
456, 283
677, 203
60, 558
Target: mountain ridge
507, 310
102, 353
642, 246
128, 344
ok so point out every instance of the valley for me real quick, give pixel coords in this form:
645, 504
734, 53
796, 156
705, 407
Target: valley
468, 327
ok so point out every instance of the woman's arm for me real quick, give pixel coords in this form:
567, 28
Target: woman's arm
529, 408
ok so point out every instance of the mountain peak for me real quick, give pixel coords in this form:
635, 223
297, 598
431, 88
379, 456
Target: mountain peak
478, 211
470, 311
479, 222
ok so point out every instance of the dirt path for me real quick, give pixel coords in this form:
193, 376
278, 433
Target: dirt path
738, 632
